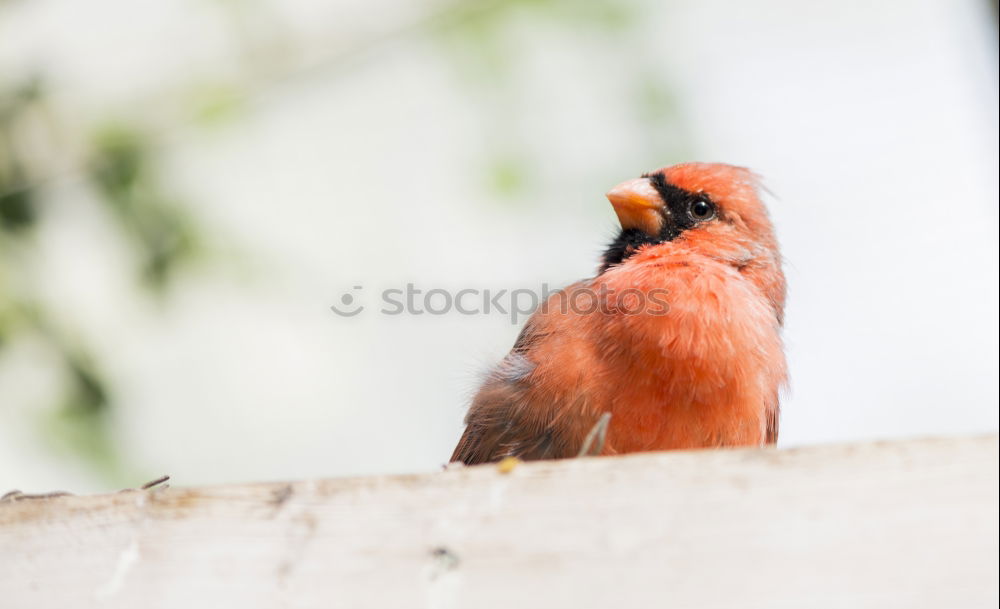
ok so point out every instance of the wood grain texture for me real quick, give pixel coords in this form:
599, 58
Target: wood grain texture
895, 524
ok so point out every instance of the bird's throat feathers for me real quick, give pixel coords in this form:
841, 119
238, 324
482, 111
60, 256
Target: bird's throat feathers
686, 264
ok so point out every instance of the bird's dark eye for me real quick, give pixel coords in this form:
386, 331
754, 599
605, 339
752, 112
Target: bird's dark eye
701, 210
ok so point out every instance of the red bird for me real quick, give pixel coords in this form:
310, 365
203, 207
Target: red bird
677, 338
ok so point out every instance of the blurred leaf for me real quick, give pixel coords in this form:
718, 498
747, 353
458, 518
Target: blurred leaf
215, 103
13, 99
122, 171
508, 175
168, 237
87, 396
118, 160
81, 425
17, 208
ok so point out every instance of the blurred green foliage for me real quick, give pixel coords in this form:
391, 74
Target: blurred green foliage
215, 103
122, 169
121, 166
17, 200
81, 425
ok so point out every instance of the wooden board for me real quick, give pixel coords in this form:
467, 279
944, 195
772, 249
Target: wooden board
894, 524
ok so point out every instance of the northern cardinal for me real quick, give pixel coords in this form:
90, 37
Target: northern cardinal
677, 338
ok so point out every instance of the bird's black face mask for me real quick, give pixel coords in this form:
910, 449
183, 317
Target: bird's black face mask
651, 211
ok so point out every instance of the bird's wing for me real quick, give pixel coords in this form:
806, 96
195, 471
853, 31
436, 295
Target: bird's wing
495, 429
508, 418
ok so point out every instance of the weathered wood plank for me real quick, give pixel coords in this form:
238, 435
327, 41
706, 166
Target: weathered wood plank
900, 524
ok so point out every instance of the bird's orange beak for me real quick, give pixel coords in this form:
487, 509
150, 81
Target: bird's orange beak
638, 205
